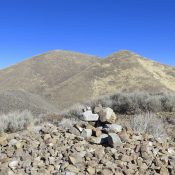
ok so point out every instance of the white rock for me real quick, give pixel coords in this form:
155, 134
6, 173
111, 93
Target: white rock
80, 129
113, 127
88, 108
89, 116
13, 165
82, 154
69, 173
171, 151
12, 142
86, 133
114, 140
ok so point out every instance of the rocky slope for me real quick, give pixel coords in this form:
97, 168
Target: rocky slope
94, 145
64, 78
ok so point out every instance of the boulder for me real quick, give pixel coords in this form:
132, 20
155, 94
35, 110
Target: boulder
107, 115
114, 140
89, 116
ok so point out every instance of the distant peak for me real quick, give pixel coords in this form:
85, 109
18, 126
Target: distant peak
122, 54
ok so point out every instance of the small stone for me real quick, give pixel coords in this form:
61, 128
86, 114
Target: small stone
114, 140
72, 168
171, 151
91, 170
106, 172
57, 167
64, 165
3, 139
86, 133
47, 136
26, 164
126, 158
12, 142
51, 160
164, 171
79, 128
13, 165
97, 132
75, 159
102, 139
69, 173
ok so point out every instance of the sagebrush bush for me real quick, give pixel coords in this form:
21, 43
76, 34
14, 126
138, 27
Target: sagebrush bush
67, 123
148, 123
134, 103
15, 121
128, 103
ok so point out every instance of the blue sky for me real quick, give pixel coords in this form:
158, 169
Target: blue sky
98, 27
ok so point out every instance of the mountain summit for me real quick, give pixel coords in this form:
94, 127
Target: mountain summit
63, 78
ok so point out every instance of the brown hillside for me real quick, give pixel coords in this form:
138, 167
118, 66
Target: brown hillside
65, 78
121, 71
44, 71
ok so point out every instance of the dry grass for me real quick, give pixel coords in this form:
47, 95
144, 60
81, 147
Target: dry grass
15, 121
148, 123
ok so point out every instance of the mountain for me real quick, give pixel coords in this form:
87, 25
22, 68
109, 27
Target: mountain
63, 78
19, 100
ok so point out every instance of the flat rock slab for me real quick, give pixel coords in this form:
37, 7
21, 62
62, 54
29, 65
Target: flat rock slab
88, 116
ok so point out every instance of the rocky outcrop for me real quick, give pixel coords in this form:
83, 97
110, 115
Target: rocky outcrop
49, 149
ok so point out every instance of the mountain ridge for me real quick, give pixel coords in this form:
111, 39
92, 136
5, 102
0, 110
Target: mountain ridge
64, 78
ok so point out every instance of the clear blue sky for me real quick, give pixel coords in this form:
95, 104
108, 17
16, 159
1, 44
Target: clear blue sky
99, 27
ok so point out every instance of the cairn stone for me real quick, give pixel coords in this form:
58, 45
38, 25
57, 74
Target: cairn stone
107, 115
114, 140
89, 116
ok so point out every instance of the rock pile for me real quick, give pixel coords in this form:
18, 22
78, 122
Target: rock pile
96, 145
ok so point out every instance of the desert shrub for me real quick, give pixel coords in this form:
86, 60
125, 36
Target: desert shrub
128, 103
134, 103
15, 121
168, 103
105, 101
148, 123
67, 123
153, 103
